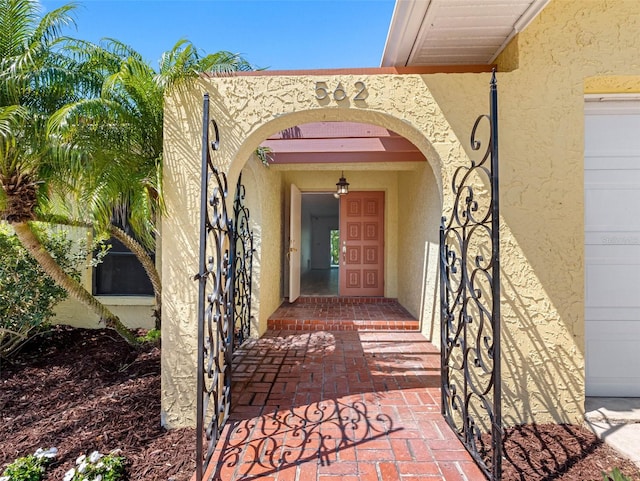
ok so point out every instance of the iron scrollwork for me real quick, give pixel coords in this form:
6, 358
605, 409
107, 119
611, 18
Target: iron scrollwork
470, 302
215, 303
243, 266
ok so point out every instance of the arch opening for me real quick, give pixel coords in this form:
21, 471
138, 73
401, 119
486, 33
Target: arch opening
313, 156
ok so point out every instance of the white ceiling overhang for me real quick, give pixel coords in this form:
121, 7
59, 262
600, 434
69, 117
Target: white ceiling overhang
454, 32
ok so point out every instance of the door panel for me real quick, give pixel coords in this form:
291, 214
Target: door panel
362, 244
293, 252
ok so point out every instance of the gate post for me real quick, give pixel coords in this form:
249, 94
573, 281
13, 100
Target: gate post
497, 433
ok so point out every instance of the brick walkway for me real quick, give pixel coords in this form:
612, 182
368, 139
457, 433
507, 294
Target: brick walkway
339, 406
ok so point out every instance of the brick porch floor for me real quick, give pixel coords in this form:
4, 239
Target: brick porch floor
338, 406
343, 314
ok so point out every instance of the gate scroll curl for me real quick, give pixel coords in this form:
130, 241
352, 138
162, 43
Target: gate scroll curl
470, 301
243, 266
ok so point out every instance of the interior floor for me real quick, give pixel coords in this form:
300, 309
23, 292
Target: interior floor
319, 282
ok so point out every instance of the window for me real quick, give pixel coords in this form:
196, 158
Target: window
121, 274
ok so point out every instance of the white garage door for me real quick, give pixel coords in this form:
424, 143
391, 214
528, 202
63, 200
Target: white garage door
612, 247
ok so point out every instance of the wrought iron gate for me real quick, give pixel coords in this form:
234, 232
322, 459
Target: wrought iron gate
470, 301
224, 298
243, 266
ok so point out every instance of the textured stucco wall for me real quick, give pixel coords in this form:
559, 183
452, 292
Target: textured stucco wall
265, 203
571, 48
418, 252
570, 45
248, 110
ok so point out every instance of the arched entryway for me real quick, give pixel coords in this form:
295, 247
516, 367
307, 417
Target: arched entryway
394, 173
412, 209
411, 190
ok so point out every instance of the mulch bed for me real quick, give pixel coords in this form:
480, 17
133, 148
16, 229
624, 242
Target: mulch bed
559, 452
83, 390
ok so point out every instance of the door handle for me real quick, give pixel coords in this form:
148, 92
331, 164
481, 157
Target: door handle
344, 253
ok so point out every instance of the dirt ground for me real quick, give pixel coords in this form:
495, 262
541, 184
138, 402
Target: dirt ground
84, 390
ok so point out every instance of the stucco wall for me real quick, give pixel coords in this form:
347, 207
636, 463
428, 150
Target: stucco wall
265, 202
570, 49
134, 312
418, 253
248, 110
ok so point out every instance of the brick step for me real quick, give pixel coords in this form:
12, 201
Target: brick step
344, 300
342, 325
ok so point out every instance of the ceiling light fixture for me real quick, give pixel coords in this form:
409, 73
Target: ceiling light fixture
342, 186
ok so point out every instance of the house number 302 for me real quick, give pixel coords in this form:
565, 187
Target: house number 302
340, 93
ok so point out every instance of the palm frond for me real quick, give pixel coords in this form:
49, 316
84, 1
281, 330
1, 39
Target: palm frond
17, 22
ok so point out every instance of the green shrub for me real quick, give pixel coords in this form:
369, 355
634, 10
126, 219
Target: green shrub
151, 336
27, 294
29, 468
616, 475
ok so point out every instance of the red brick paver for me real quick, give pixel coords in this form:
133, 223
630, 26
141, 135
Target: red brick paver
339, 406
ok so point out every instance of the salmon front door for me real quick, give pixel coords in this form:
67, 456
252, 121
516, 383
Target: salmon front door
362, 244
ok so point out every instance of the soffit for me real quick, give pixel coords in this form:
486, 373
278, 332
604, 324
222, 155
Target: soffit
450, 32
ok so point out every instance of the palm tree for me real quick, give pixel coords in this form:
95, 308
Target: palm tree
36, 79
122, 182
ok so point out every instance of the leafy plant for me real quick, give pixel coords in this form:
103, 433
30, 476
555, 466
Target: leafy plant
265, 154
31, 467
27, 294
98, 467
151, 336
615, 475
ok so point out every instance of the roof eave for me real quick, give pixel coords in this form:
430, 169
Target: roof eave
408, 22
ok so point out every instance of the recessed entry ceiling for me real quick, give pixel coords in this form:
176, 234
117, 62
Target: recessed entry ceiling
339, 142
320, 204
449, 32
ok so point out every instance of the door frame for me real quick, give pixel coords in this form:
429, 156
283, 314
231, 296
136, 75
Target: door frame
361, 244
292, 274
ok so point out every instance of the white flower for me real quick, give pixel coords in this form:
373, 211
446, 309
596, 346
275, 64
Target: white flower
49, 453
98, 478
5, 478
94, 457
83, 467
81, 459
100, 465
68, 476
